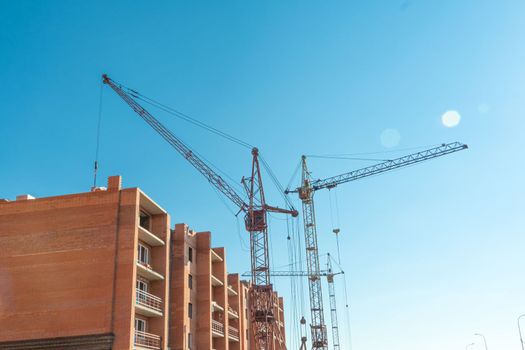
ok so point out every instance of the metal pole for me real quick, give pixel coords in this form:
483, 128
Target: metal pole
519, 329
484, 340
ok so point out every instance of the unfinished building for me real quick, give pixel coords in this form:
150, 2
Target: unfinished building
104, 270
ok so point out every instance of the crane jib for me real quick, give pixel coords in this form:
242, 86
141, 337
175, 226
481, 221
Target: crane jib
389, 165
176, 143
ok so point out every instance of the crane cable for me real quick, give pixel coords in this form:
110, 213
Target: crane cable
296, 282
95, 165
294, 175
347, 307
276, 182
293, 285
134, 93
348, 158
198, 123
211, 129
185, 117
336, 228
336, 231
244, 246
345, 155
299, 265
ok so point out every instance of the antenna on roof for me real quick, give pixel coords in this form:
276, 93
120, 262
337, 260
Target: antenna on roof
95, 165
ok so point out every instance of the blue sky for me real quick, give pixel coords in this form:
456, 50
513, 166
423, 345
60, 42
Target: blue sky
432, 254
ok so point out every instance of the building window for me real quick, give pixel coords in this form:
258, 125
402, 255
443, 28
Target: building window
140, 325
189, 341
145, 220
143, 255
190, 281
190, 310
142, 289
190, 254
142, 285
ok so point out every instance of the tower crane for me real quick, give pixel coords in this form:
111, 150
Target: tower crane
329, 274
333, 303
255, 211
306, 195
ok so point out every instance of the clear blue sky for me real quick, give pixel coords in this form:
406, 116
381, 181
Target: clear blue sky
432, 254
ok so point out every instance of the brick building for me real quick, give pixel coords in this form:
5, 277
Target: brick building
103, 270
214, 301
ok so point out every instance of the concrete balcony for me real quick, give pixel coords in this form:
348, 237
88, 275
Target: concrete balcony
233, 334
149, 238
147, 304
216, 307
217, 329
232, 313
216, 282
149, 205
145, 340
231, 291
215, 257
147, 272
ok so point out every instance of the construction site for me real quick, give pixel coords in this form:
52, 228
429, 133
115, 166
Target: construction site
154, 228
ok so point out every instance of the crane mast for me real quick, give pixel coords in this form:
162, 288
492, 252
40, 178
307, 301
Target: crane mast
306, 195
317, 325
329, 274
333, 304
261, 294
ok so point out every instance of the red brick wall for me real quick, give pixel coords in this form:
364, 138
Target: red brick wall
57, 260
179, 323
125, 257
46, 245
204, 292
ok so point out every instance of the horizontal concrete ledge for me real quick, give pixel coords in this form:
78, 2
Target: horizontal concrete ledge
215, 257
147, 311
148, 273
150, 238
231, 291
216, 282
83, 342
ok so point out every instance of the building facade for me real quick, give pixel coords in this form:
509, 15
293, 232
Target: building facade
73, 273
104, 270
212, 301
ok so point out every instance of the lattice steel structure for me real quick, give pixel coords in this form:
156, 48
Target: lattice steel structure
317, 325
306, 193
255, 210
333, 304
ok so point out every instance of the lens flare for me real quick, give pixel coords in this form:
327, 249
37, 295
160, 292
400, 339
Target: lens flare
451, 118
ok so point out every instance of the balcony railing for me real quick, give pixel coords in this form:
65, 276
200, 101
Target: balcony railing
233, 333
217, 327
149, 300
147, 340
